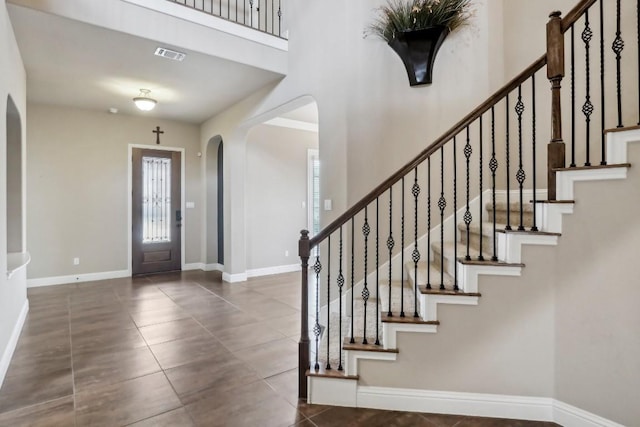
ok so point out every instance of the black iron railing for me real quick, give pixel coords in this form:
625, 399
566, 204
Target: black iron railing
510, 116
262, 15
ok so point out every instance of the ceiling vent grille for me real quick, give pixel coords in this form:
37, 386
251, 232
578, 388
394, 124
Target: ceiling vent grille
170, 54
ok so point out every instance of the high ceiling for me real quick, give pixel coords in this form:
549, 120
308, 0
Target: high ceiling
71, 63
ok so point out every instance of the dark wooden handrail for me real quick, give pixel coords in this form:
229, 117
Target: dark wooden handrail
447, 136
575, 14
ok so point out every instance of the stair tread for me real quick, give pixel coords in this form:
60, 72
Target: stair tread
533, 233
447, 291
330, 373
556, 201
593, 167
407, 319
489, 262
358, 346
622, 129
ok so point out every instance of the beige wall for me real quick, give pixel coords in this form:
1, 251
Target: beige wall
505, 345
597, 294
12, 83
276, 192
77, 201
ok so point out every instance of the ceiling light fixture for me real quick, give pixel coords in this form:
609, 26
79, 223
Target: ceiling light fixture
144, 102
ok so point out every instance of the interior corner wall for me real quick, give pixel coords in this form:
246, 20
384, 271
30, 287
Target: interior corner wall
276, 194
77, 203
13, 296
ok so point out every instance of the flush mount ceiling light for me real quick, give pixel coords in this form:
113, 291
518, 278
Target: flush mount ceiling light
144, 102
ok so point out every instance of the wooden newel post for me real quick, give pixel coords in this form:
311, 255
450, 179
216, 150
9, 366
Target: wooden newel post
303, 346
555, 74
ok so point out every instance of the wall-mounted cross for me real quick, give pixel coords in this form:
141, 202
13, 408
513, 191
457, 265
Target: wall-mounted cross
157, 132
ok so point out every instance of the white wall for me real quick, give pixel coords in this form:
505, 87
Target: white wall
77, 201
13, 296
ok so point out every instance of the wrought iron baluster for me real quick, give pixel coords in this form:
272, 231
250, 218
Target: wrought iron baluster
455, 218
317, 268
259, 9
573, 97
533, 141
617, 47
340, 282
377, 270
480, 256
328, 366
520, 175
428, 221
251, 13
587, 107
493, 166
402, 253
353, 306
415, 190
508, 163
442, 204
390, 244
279, 18
603, 106
366, 229
467, 214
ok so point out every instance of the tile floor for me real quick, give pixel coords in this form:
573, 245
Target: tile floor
175, 349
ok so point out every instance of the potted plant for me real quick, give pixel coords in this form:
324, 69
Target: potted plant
415, 30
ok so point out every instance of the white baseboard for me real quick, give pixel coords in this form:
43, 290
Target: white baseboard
279, 269
77, 278
13, 341
479, 405
234, 278
444, 402
570, 416
213, 267
193, 266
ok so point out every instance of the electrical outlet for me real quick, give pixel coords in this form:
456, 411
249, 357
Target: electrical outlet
286, 253
76, 261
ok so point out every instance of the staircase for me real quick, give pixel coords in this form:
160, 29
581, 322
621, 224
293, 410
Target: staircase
462, 210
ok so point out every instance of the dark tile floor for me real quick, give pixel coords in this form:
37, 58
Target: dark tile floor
176, 349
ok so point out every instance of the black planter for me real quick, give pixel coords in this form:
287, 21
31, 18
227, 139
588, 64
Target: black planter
418, 49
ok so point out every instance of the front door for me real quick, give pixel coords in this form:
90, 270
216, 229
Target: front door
156, 204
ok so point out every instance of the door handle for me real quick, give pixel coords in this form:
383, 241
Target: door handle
178, 218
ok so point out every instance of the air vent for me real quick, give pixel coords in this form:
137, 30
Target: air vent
170, 54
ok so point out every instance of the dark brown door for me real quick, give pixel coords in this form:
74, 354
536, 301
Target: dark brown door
157, 218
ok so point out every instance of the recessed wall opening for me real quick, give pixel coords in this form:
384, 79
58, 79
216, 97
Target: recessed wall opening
15, 242
215, 201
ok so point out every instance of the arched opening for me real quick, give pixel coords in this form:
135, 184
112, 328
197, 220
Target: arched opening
215, 202
282, 194
15, 242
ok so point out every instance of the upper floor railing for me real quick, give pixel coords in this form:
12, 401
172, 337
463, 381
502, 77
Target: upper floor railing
261, 15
